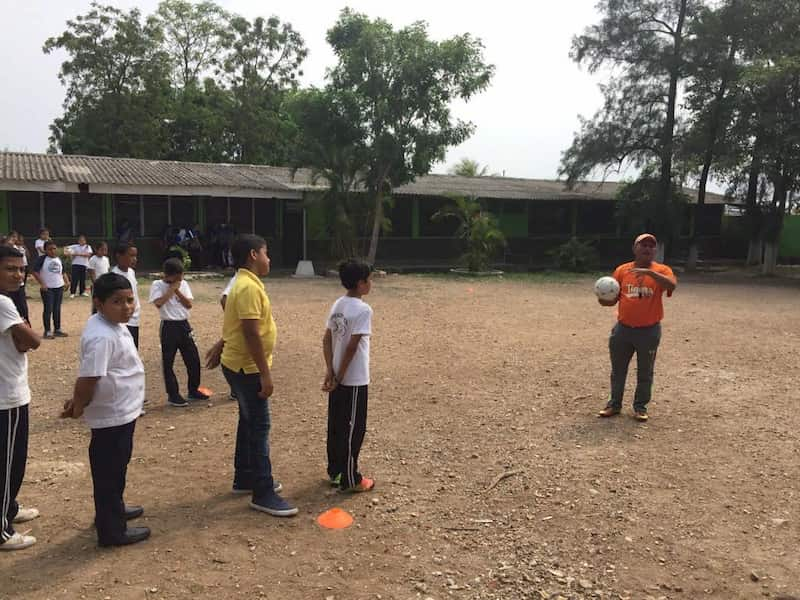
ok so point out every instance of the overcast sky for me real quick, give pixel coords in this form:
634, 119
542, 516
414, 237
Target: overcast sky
524, 120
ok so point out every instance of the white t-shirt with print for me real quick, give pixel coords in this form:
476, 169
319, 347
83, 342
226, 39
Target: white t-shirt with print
14, 390
172, 309
349, 317
81, 261
51, 272
130, 274
108, 352
100, 265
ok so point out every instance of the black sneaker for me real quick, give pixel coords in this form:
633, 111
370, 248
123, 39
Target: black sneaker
59, 333
198, 395
179, 402
274, 505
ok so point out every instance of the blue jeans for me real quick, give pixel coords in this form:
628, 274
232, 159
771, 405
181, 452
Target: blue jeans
251, 463
51, 307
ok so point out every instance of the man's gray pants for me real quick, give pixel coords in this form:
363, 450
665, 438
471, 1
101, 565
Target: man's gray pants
622, 343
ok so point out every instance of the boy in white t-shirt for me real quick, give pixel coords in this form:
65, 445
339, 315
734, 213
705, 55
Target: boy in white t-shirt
98, 266
80, 253
16, 338
172, 296
109, 393
49, 272
346, 350
126, 255
44, 236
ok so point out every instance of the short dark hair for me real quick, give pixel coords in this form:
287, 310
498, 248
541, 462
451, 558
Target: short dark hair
43, 229
173, 266
106, 285
9, 252
123, 248
49, 243
102, 243
243, 245
352, 271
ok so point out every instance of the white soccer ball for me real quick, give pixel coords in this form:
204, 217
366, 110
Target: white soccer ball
606, 288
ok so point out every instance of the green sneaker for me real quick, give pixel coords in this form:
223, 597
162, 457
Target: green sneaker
336, 481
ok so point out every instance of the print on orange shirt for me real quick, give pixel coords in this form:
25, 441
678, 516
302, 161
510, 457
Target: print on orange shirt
640, 295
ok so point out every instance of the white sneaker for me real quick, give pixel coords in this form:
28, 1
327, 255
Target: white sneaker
85, 294
72, 295
26, 514
18, 541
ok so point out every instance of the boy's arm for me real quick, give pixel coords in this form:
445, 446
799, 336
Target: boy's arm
162, 300
25, 338
329, 384
186, 301
37, 268
256, 348
349, 353
214, 355
81, 397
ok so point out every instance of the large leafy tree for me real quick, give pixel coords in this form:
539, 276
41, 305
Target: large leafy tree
643, 42
402, 83
117, 81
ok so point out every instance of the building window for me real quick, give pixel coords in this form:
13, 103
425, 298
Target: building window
156, 215
25, 213
596, 217
266, 219
241, 214
548, 217
58, 213
427, 228
89, 214
126, 215
400, 215
216, 211
183, 211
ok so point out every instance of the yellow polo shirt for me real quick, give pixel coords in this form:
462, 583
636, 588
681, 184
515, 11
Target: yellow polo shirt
246, 300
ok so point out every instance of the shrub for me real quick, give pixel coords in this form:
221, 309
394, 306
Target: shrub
574, 255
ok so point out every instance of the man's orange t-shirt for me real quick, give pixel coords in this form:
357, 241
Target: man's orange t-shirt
640, 295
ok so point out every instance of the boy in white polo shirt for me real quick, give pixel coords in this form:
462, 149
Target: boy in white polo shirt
109, 393
345, 347
16, 338
173, 298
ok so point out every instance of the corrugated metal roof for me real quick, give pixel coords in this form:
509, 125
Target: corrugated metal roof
32, 168
131, 172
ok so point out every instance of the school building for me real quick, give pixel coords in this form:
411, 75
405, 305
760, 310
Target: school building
98, 196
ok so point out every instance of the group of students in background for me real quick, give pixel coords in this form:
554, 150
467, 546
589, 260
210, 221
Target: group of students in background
109, 392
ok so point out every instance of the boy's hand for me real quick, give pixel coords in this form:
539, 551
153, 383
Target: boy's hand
266, 386
329, 383
214, 355
71, 410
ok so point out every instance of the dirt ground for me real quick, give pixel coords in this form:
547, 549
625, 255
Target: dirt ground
494, 478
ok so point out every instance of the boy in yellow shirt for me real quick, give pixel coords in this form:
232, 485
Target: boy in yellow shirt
248, 338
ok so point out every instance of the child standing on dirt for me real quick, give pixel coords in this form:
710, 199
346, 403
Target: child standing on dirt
16, 338
49, 272
44, 236
80, 252
126, 256
109, 393
173, 298
346, 350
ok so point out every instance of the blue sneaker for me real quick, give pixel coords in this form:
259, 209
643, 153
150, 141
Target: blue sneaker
274, 505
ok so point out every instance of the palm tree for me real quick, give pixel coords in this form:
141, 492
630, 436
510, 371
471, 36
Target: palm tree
476, 229
467, 167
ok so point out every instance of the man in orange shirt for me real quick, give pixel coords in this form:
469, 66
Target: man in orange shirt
642, 284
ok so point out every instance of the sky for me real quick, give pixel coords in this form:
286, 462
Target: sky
524, 120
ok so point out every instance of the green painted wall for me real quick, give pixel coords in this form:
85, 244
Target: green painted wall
790, 237
315, 217
5, 221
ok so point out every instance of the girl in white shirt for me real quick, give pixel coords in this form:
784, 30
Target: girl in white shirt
80, 253
49, 272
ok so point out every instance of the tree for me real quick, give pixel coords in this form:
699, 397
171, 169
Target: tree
117, 84
262, 64
331, 141
467, 167
403, 83
643, 40
477, 231
195, 37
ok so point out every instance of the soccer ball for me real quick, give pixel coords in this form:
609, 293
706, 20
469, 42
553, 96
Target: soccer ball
606, 288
